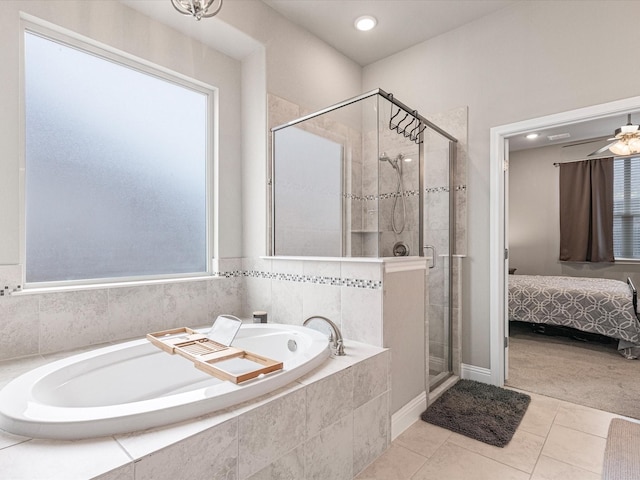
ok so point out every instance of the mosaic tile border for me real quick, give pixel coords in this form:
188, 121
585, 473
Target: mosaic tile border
407, 193
457, 188
315, 279
382, 196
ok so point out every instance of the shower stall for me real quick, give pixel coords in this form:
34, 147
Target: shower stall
369, 177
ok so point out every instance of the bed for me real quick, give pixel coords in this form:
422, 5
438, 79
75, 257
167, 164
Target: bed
593, 305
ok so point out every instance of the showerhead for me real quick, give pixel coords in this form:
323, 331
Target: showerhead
393, 162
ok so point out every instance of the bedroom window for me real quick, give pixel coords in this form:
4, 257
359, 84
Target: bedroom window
116, 162
626, 208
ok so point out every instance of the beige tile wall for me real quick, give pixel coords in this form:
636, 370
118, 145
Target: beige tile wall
42, 323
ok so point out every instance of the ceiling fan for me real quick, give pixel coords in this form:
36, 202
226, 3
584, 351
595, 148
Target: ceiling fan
626, 140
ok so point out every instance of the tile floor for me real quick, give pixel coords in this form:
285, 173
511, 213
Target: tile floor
556, 440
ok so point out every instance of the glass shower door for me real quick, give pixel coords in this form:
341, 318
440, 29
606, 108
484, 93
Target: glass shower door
437, 248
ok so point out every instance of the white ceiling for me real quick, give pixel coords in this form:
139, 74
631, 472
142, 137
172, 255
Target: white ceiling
401, 23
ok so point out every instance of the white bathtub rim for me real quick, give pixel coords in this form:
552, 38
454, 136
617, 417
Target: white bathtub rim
71, 423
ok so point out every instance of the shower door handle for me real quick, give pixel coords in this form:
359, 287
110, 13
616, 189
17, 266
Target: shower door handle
433, 256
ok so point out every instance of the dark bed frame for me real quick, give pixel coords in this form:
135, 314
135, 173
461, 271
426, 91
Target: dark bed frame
634, 292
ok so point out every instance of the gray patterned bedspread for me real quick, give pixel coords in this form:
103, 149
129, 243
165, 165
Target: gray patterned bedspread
595, 305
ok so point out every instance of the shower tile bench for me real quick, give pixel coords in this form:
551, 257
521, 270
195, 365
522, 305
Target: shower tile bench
331, 423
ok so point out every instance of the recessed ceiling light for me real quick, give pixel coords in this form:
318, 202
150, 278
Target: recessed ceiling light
531, 136
366, 22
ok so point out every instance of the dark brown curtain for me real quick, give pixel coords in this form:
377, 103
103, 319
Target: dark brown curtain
586, 211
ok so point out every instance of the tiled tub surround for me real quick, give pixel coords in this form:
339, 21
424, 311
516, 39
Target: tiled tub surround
289, 290
348, 291
330, 424
47, 322
376, 301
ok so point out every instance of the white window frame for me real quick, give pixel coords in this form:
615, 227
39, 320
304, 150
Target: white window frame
31, 24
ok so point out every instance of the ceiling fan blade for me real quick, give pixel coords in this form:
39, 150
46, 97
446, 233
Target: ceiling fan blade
575, 144
601, 150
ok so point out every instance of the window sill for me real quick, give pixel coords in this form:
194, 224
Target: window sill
100, 286
627, 261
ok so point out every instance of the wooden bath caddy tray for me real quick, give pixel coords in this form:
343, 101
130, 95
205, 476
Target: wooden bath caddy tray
205, 353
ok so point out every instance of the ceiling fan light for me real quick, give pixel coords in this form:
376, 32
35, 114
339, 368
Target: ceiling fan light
634, 145
628, 140
628, 129
620, 148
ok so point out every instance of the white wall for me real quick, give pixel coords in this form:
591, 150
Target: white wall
534, 228
534, 213
529, 60
300, 67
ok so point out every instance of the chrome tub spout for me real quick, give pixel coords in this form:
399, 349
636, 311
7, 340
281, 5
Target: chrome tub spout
335, 337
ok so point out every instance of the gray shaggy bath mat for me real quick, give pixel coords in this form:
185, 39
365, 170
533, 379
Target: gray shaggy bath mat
480, 411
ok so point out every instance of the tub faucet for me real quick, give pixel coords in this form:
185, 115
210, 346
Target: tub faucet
335, 337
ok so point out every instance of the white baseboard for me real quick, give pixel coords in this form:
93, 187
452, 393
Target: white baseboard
407, 415
479, 374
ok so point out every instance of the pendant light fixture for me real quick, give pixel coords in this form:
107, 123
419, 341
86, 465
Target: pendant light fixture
197, 8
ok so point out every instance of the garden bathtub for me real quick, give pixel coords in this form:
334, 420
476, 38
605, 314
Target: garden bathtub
134, 385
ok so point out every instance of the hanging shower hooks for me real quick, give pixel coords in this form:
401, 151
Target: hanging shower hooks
415, 133
410, 128
397, 126
409, 131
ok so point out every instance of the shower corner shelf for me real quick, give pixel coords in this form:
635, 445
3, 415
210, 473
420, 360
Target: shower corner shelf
205, 353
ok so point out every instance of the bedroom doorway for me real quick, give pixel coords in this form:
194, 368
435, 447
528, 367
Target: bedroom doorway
499, 244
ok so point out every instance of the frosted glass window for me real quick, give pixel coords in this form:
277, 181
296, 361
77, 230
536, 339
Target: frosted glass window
116, 167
